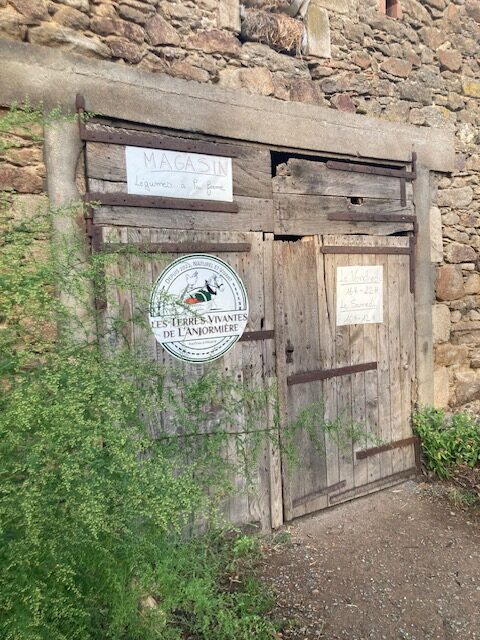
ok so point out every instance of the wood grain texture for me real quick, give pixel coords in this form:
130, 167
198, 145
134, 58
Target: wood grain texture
254, 214
305, 177
305, 215
251, 168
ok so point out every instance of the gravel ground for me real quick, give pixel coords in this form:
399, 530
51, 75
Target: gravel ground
399, 564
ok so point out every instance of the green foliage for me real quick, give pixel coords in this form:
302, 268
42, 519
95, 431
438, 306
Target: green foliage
448, 442
96, 495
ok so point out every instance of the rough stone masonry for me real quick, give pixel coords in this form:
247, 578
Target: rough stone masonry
420, 67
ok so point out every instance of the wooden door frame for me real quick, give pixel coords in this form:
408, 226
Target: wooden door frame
54, 77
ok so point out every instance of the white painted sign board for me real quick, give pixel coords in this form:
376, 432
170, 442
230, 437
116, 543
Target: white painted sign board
198, 308
359, 295
176, 174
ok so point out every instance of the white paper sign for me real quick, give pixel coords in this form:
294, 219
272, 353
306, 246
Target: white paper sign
359, 295
175, 174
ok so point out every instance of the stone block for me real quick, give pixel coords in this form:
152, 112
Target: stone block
449, 285
456, 253
81, 5
317, 27
34, 10
214, 41
447, 355
337, 6
467, 386
52, 35
20, 179
416, 11
441, 387
118, 28
441, 323
73, 18
397, 67
473, 9
123, 48
471, 88
229, 15
472, 284
160, 32
455, 198
436, 240
450, 60
433, 37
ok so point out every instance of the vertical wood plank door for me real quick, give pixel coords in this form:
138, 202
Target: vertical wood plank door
346, 388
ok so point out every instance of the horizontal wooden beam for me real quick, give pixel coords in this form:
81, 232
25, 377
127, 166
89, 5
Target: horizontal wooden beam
325, 374
158, 202
318, 494
176, 247
266, 334
367, 250
54, 77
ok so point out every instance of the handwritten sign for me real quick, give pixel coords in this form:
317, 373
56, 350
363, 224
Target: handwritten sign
359, 295
175, 174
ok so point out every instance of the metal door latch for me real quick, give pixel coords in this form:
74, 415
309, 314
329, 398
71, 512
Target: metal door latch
289, 349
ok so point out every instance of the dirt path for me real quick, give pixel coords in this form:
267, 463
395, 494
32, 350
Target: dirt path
399, 564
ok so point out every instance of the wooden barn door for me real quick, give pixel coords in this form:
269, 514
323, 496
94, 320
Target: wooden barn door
362, 372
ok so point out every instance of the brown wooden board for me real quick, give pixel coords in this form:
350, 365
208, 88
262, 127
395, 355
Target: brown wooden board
250, 167
306, 177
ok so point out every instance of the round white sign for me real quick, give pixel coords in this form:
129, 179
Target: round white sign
198, 308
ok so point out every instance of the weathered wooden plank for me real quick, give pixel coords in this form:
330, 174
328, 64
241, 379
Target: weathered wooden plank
306, 177
251, 168
305, 215
279, 292
273, 461
254, 214
343, 358
302, 328
394, 312
327, 323
407, 359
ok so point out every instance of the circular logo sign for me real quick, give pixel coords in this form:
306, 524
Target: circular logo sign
198, 308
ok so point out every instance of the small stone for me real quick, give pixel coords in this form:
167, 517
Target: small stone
439, 117
433, 37
229, 15
475, 362
317, 27
214, 41
455, 316
257, 80
415, 92
69, 17
441, 323
472, 284
472, 8
450, 60
455, 198
122, 48
118, 28
416, 11
159, 32
21, 179
13, 24
471, 88
35, 10
449, 285
303, 90
343, 102
24, 156
397, 67
467, 387
52, 35
183, 69
473, 163
447, 355
361, 59
81, 5
457, 253
450, 218
135, 13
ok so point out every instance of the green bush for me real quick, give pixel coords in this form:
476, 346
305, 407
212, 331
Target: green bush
94, 511
448, 442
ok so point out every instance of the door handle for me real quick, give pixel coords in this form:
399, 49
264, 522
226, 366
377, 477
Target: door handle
289, 349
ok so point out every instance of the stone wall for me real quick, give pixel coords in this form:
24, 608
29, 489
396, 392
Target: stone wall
422, 68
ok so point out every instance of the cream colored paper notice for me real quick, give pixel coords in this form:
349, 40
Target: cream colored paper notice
175, 174
359, 295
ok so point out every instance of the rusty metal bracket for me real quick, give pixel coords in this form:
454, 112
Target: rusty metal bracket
318, 494
398, 444
351, 216
176, 247
266, 334
325, 374
372, 486
366, 250
402, 174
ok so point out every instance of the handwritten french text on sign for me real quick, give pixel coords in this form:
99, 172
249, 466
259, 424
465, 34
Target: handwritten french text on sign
359, 295
175, 174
